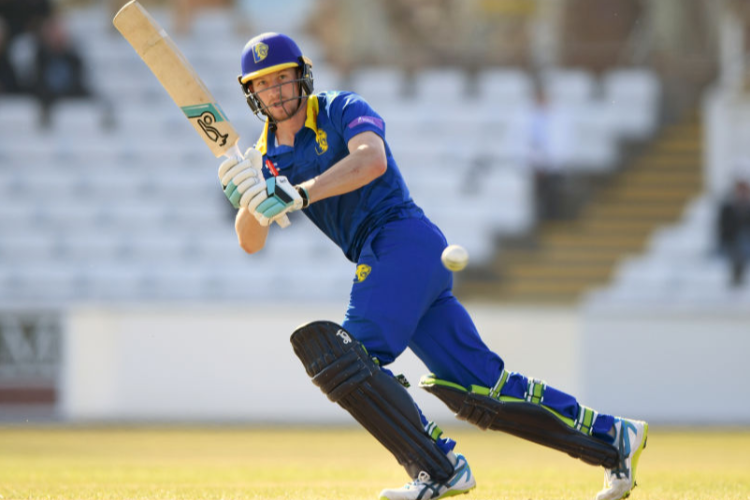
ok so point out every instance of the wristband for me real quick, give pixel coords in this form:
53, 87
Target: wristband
303, 194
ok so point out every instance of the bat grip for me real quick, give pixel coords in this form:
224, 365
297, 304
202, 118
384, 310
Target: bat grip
234, 152
283, 221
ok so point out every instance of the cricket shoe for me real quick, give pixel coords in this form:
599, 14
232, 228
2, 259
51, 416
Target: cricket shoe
424, 488
630, 439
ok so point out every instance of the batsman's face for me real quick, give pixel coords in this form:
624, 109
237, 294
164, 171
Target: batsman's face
278, 92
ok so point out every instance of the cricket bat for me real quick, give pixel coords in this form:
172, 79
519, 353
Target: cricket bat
179, 79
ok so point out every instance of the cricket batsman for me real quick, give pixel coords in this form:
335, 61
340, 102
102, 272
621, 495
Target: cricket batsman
327, 155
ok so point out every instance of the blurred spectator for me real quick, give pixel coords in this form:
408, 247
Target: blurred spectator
8, 79
24, 16
548, 139
19, 25
734, 230
60, 71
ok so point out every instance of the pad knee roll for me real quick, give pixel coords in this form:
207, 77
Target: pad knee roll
341, 367
525, 420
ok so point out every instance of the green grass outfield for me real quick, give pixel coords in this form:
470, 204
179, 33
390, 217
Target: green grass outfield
339, 464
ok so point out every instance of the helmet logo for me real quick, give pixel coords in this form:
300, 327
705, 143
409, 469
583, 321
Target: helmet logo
260, 52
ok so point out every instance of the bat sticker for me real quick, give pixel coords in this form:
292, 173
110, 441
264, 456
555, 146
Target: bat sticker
205, 121
207, 115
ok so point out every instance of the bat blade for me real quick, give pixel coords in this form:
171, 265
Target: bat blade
177, 76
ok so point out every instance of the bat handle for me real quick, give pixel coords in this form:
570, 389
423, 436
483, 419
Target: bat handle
283, 221
234, 152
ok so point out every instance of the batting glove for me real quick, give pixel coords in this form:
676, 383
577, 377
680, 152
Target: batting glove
241, 178
279, 198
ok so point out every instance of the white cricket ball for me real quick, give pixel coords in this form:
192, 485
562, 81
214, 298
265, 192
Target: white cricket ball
455, 257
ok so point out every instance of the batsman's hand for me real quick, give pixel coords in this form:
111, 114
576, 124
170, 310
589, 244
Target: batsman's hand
241, 178
278, 199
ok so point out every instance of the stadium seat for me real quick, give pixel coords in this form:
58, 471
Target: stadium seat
593, 143
682, 240
83, 117
634, 96
214, 24
568, 86
42, 283
382, 87
504, 86
21, 115
510, 191
328, 77
652, 273
26, 247
94, 24
438, 85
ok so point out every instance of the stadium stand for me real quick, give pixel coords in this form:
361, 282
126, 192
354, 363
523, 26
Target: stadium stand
681, 266
118, 201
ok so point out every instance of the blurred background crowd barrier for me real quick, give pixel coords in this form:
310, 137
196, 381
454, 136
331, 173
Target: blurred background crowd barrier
592, 155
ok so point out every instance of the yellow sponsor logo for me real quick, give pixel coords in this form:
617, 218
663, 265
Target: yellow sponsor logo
260, 51
363, 271
322, 140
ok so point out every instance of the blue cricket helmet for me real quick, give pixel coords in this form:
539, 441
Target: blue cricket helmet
268, 53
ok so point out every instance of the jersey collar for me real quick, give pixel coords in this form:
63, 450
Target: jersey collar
311, 122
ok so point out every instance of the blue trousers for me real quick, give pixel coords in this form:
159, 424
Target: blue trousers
402, 297
405, 300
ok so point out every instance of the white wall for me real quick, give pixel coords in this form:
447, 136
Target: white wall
671, 365
236, 363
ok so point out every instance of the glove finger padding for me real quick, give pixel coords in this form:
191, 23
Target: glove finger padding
247, 174
254, 196
239, 172
224, 168
239, 179
271, 209
267, 205
232, 194
246, 184
252, 162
